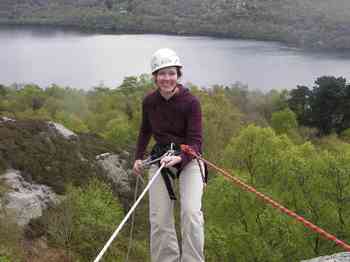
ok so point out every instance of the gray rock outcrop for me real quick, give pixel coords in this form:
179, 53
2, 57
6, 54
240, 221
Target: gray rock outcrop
116, 172
25, 201
6, 119
340, 257
50, 156
65, 132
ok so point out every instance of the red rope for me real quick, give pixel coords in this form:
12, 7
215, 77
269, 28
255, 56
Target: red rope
188, 150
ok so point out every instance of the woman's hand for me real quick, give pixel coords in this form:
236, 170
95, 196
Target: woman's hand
137, 168
170, 160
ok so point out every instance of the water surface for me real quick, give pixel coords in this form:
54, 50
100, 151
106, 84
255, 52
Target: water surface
80, 60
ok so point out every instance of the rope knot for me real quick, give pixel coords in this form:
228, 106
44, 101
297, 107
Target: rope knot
188, 150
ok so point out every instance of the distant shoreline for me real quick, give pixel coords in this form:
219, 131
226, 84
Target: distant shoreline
219, 35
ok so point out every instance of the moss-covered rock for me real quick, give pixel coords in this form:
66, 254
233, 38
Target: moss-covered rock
45, 156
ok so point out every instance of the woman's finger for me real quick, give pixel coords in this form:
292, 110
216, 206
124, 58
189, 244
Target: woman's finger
173, 161
165, 160
137, 169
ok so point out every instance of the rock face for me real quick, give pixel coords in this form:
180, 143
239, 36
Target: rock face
38, 159
6, 119
115, 172
340, 257
50, 154
66, 133
24, 200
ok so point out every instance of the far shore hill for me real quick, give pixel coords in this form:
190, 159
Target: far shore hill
314, 24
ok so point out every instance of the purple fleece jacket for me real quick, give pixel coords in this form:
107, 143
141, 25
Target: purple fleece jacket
177, 120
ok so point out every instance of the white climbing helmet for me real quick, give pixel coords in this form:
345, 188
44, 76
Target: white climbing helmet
164, 57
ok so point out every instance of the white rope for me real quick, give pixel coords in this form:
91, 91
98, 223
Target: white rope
128, 214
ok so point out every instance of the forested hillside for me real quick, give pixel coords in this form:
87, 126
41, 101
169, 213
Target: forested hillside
291, 145
306, 23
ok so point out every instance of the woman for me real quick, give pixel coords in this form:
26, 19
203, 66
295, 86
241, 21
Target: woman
171, 114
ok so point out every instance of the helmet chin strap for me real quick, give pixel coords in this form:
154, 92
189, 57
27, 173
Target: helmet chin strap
171, 93
174, 89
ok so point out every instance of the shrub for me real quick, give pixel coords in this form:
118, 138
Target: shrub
85, 220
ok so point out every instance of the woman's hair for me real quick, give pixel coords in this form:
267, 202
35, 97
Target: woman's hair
178, 71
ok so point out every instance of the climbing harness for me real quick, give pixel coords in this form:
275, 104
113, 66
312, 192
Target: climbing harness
157, 153
188, 150
170, 152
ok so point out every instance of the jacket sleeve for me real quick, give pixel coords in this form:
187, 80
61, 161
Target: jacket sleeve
194, 131
145, 133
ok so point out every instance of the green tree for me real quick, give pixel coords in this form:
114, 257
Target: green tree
346, 135
297, 176
30, 96
284, 121
71, 121
221, 120
3, 90
325, 107
299, 103
346, 109
29, 113
119, 131
328, 103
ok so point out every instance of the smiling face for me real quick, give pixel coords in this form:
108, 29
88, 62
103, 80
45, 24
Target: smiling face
166, 79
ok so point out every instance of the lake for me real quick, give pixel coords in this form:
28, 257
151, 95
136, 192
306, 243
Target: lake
83, 60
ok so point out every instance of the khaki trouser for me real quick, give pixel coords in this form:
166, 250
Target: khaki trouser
164, 244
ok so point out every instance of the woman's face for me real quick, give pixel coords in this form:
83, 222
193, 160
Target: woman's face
166, 79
